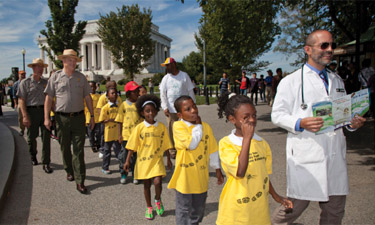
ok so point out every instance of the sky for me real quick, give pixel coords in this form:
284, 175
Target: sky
22, 20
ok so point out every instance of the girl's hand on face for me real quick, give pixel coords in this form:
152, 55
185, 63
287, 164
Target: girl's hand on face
247, 129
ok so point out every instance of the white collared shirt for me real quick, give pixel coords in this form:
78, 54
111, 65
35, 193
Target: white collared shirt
238, 140
149, 124
197, 134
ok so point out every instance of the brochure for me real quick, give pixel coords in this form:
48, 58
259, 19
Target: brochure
339, 112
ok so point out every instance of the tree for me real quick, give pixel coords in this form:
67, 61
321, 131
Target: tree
339, 17
62, 31
127, 34
237, 33
193, 64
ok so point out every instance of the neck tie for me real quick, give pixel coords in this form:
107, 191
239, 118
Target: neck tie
323, 76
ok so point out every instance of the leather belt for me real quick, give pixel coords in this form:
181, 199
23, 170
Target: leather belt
35, 107
73, 114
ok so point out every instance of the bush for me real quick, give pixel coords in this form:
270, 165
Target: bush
156, 79
122, 81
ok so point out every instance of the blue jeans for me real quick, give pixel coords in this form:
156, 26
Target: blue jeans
107, 153
243, 91
122, 158
190, 208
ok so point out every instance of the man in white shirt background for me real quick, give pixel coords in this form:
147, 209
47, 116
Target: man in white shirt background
173, 85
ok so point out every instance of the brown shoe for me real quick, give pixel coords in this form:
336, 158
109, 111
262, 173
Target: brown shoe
81, 188
69, 177
47, 169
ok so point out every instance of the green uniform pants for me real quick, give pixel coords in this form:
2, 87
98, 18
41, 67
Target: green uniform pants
71, 130
36, 116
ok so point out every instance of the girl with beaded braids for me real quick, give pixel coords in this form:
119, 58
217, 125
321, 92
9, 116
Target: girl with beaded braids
246, 160
150, 140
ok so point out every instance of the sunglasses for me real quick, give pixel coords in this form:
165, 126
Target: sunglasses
325, 45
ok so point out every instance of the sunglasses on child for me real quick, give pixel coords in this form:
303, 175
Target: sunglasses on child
325, 45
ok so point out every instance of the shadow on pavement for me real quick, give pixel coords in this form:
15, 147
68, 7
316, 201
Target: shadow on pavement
211, 207
362, 142
275, 129
17, 205
265, 117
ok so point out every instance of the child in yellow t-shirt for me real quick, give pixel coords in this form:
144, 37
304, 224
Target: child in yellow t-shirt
150, 140
196, 148
103, 100
107, 116
246, 160
128, 118
94, 134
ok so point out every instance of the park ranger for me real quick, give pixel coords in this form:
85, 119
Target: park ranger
69, 88
31, 102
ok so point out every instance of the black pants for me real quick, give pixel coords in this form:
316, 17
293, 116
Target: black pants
256, 97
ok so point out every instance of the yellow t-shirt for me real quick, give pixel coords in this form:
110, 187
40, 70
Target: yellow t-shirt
129, 117
110, 129
104, 100
95, 98
150, 142
245, 200
191, 170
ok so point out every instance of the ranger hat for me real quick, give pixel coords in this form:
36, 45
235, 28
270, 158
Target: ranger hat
69, 53
37, 61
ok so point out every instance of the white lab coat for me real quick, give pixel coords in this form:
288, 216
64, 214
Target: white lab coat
316, 164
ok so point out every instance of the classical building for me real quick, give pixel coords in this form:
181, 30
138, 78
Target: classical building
96, 62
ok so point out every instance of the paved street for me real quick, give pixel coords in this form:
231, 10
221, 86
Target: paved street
39, 198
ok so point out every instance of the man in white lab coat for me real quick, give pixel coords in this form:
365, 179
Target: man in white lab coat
316, 165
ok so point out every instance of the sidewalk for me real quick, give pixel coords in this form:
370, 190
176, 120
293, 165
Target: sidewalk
40, 198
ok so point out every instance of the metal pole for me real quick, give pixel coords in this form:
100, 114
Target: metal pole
23, 54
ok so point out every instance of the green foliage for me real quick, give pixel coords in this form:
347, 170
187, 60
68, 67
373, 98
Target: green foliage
127, 35
237, 33
193, 64
122, 81
156, 79
339, 17
62, 31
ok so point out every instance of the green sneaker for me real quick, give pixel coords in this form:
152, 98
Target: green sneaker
159, 207
149, 215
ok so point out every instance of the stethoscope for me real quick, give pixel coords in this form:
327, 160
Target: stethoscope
303, 105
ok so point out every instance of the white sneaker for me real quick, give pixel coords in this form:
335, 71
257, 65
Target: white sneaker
135, 181
123, 179
100, 155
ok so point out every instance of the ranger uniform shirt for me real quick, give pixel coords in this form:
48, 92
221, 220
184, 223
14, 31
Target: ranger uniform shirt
69, 91
31, 91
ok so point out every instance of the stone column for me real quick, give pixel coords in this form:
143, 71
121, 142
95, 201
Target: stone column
49, 63
158, 57
102, 56
84, 58
112, 64
155, 62
42, 55
93, 56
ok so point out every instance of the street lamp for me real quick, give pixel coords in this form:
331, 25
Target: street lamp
23, 54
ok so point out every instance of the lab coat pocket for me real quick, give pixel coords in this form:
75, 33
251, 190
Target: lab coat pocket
306, 151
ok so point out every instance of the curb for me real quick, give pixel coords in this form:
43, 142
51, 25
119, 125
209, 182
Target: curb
7, 156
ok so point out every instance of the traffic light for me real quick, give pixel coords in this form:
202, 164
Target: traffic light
15, 73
